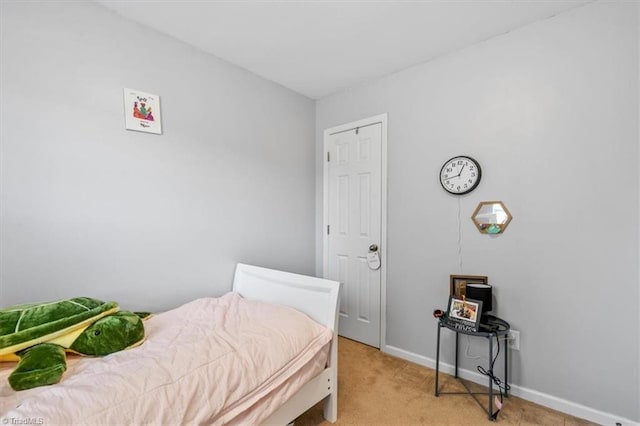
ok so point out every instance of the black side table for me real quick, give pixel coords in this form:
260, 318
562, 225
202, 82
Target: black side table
490, 328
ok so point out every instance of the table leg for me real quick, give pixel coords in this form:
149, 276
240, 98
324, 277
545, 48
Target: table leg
506, 369
490, 381
456, 375
437, 358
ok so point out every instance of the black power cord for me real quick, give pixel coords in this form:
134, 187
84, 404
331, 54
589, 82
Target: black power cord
495, 379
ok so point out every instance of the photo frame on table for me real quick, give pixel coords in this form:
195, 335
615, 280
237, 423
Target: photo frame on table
458, 283
464, 313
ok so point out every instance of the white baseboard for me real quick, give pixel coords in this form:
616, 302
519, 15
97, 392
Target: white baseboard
540, 398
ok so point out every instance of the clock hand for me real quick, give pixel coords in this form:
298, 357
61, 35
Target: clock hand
461, 170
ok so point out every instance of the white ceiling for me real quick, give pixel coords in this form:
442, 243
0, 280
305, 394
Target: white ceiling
320, 47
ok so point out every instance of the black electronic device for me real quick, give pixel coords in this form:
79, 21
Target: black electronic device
481, 292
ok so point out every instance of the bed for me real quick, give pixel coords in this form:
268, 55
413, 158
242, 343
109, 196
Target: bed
271, 356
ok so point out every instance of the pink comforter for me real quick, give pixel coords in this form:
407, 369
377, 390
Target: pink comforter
209, 361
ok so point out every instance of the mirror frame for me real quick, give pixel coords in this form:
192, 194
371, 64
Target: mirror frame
483, 228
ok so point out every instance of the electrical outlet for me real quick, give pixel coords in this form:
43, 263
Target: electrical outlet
514, 340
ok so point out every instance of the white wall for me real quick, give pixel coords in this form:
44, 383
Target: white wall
89, 208
551, 113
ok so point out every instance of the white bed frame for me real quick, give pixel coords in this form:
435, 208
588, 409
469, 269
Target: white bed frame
316, 297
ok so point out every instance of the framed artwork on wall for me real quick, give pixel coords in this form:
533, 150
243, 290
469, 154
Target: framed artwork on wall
142, 111
458, 283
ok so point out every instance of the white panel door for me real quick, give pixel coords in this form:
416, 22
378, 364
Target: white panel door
354, 228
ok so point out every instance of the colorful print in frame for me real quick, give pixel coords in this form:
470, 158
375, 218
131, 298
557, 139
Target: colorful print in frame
142, 111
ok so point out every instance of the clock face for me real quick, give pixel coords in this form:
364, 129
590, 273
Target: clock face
460, 175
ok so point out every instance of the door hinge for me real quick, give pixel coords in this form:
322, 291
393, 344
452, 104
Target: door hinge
328, 156
328, 229
357, 130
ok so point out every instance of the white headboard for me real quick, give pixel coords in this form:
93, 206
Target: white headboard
316, 297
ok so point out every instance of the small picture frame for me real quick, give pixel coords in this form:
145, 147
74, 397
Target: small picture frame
458, 283
464, 313
142, 111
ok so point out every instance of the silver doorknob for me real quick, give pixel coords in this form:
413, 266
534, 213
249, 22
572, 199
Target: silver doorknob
373, 248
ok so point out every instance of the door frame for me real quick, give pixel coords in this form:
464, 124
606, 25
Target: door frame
382, 119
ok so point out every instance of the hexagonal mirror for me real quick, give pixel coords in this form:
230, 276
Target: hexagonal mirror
491, 217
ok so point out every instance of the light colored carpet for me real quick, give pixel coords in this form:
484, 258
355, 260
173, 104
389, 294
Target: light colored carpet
378, 389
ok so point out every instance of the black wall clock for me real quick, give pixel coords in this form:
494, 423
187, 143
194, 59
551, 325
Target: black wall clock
460, 175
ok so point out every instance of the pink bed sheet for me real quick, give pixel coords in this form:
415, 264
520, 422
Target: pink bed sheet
210, 361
